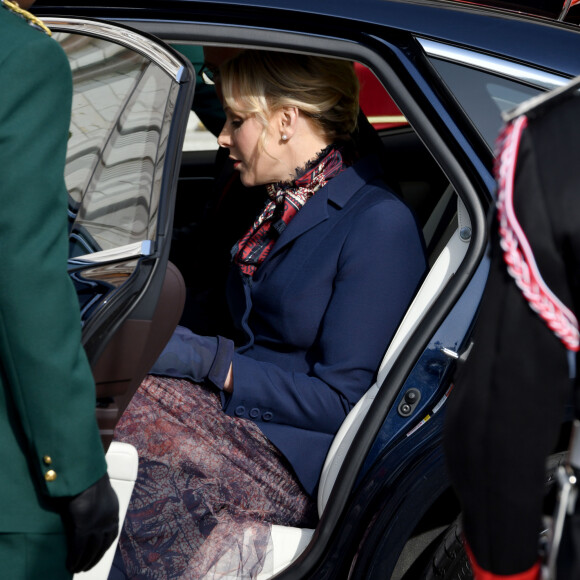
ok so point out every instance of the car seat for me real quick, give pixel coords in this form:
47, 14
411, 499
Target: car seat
122, 465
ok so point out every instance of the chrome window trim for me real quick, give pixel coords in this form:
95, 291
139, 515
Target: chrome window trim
123, 254
492, 64
134, 250
158, 54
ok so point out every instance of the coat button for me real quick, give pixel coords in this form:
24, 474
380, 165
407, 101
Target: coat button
50, 475
240, 410
254, 413
47, 460
267, 416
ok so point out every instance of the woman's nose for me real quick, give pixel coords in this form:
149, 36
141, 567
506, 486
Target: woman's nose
224, 138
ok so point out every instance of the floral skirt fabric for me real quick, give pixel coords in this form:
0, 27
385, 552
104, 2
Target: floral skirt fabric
209, 487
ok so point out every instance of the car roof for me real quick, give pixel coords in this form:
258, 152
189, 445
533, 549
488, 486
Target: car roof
545, 8
549, 9
491, 29
362, 10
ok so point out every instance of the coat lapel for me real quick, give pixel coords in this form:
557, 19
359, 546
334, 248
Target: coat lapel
335, 195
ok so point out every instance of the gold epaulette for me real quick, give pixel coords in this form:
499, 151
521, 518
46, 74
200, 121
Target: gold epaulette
32, 20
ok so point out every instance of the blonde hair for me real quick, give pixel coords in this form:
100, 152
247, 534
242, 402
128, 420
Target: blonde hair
324, 89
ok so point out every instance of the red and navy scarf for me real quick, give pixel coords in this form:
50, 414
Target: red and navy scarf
286, 199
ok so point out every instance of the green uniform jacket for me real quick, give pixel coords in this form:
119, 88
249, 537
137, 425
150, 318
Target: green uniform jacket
47, 394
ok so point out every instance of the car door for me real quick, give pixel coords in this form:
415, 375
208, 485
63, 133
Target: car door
132, 96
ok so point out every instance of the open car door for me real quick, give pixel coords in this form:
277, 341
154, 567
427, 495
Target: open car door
132, 97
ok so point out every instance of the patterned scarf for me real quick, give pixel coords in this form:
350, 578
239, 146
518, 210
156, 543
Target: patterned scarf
286, 199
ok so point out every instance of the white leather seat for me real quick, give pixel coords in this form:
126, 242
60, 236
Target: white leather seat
288, 542
122, 464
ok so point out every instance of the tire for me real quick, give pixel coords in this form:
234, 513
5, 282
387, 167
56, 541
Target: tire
449, 560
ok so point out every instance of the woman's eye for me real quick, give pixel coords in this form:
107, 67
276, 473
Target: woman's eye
237, 123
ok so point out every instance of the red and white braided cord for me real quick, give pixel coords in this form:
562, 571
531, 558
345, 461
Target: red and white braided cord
518, 254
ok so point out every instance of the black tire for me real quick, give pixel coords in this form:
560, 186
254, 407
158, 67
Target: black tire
449, 560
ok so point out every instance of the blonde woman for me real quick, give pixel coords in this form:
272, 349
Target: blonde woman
232, 440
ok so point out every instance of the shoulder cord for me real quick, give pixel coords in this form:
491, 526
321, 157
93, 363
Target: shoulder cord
33, 20
518, 254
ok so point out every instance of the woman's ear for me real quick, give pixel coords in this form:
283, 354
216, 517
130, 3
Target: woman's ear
288, 120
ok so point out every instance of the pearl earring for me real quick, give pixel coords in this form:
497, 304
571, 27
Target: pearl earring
284, 137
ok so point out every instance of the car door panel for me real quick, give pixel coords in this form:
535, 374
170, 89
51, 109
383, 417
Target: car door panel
132, 95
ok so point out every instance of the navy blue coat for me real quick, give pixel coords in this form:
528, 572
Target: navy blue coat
319, 314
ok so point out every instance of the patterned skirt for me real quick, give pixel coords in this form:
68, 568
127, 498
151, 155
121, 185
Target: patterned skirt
208, 490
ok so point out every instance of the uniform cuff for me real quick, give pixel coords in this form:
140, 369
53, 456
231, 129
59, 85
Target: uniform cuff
479, 573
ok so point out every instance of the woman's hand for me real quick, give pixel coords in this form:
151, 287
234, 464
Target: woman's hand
229, 384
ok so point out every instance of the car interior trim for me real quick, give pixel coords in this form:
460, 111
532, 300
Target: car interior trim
158, 54
488, 63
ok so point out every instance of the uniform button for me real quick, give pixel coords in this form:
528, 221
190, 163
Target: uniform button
267, 416
254, 413
47, 460
240, 410
50, 475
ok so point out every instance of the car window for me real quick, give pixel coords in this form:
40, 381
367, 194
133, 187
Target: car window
486, 85
376, 102
122, 109
483, 96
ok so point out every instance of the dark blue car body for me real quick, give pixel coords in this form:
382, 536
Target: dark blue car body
392, 499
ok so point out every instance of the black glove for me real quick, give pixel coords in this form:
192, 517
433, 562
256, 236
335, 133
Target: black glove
190, 356
91, 521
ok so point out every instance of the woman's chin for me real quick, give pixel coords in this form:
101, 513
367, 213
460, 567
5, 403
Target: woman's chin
247, 180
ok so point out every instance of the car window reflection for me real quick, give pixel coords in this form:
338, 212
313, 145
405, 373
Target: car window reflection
483, 96
122, 107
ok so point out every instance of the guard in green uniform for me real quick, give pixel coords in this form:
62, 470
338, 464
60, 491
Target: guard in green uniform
57, 507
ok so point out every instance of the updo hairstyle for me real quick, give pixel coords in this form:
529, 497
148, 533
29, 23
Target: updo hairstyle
324, 89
